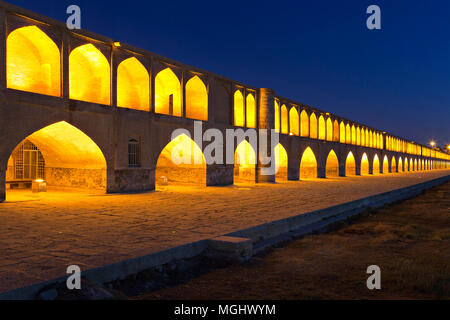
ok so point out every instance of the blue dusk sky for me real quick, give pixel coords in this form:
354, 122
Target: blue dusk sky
320, 53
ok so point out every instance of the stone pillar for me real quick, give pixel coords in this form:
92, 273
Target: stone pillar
293, 170
342, 167
266, 120
357, 167
219, 175
321, 172
371, 166
65, 65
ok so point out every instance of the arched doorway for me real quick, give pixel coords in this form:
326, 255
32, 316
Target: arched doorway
386, 164
376, 165
364, 164
181, 162
244, 163
350, 165
60, 155
308, 165
281, 163
393, 165
332, 166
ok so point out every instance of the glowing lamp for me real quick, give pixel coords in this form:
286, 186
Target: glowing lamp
38, 185
117, 44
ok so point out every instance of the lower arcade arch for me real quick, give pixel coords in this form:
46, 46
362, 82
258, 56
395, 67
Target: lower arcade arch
60, 156
332, 165
308, 165
181, 162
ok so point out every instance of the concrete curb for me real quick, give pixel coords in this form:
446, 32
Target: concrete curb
239, 245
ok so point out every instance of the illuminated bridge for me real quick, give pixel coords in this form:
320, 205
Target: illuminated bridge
80, 110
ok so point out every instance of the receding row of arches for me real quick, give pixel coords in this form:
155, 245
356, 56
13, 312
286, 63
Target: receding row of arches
323, 127
65, 156
34, 65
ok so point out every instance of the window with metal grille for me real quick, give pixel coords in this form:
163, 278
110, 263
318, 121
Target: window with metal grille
134, 153
29, 164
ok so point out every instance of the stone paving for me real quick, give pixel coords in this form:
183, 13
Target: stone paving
40, 235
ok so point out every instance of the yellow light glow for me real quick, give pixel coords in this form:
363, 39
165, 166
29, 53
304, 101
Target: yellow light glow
293, 122
133, 88
348, 134
336, 131
329, 130
117, 44
376, 164
244, 162
322, 128
308, 165
313, 126
400, 165
304, 122
181, 161
350, 165
342, 132
432, 143
89, 75
363, 137
196, 99
364, 164
277, 116
251, 111
386, 164
393, 165
168, 93
33, 62
353, 134
284, 119
239, 115
358, 136
281, 162
332, 165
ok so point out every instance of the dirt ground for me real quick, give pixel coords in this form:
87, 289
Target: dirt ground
409, 241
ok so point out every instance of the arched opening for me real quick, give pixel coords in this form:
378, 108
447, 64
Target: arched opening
244, 163
89, 75
332, 166
304, 120
308, 165
358, 136
181, 162
376, 164
322, 128
350, 165
281, 163
284, 119
393, 165
371, 139
364, 164
353, 134
251, 111
411, 165
367, 138
62, 156
33, 62
133, 85
363, 137
277, 116
348, 134
406, 164
417, 168
293, 122
336, 131
196, 99
168, 93
342, 132
313, 126
400, 165
239, 114
385, 164
329, 130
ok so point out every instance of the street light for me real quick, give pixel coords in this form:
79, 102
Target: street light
432, 143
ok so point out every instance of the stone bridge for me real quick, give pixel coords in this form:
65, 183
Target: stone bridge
82, 110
